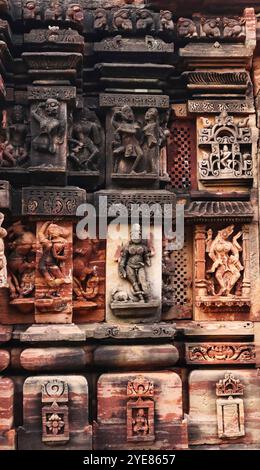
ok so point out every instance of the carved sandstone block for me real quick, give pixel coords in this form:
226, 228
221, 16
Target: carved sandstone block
7, 434
4, 359
205, 422
55, 359
133, 295
136, 357
41, 416
140, 411
220, 353
53, 294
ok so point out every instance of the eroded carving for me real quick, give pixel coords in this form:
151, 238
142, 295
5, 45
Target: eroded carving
51, 127
15, 145
3, 263
122, 20
140, 410
55, 412
226, 149
186, 28
100, 19
166, 20
86, 143
230, 408
21, 246
145, 20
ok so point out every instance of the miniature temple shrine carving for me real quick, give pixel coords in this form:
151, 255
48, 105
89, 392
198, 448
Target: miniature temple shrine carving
129, 225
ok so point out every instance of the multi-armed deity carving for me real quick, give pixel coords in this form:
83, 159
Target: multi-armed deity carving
50, 127
137, 147
21, 247
223, 277
14, 145
230, 408
140, 410
3, 268
86, 142
226, 148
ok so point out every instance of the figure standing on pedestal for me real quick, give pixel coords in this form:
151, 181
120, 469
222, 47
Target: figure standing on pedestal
134, 258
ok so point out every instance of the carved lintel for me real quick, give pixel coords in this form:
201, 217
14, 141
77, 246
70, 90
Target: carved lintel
120, 44
52, 201
64, 93
54, 36
220, 353
216, 106
135, 101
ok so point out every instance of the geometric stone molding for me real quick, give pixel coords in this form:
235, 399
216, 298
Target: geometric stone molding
233, 211
54, 201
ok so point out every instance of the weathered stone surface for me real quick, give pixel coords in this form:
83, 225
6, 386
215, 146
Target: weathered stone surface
169, 427
47, 333
216, 328
33, 359
4, 359
30, 435
203, 427
136, 357
5, 333
220, 353
7, 433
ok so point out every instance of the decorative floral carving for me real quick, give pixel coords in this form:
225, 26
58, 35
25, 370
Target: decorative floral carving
55, 413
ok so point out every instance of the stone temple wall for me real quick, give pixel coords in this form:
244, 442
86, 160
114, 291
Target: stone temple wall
108, 339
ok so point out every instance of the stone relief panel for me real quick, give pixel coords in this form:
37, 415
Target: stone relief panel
133, 267
222, 267
55, 413
225, 151
147, 408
